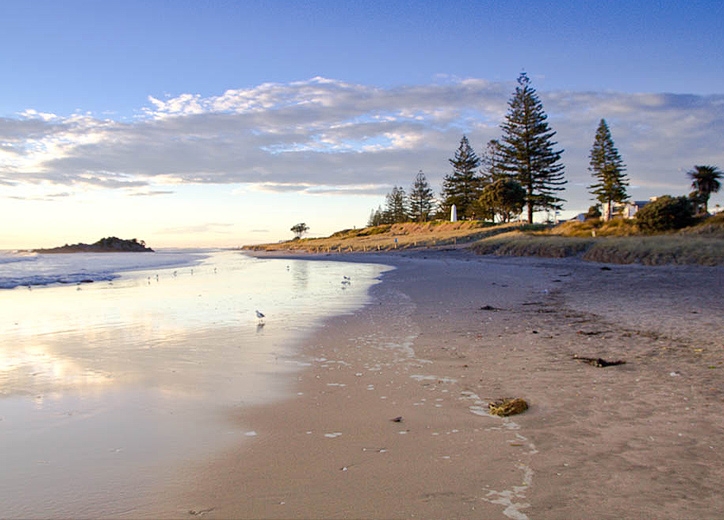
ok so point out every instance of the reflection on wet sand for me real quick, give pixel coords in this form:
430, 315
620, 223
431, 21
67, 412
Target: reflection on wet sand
117, 384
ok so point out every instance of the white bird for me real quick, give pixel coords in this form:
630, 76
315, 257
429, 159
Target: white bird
260, 316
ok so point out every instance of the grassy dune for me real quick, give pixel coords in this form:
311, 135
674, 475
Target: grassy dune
618, 242
393, 236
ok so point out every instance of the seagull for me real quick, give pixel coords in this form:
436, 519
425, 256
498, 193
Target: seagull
260, 316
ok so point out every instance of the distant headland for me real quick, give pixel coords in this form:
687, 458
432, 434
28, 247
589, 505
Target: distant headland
104, 245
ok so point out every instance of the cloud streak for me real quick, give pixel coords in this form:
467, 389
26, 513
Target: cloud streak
326, 136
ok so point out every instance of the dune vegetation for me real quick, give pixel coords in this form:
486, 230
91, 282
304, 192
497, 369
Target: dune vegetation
617, 241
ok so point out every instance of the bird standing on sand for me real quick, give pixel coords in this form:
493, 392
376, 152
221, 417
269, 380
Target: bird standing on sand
260, 316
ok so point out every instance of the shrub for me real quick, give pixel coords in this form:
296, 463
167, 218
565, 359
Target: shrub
665, 213
712, 226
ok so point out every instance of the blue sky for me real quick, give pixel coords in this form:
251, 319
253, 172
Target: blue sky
223, 123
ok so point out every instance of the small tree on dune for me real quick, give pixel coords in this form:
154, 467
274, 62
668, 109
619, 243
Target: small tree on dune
299, 229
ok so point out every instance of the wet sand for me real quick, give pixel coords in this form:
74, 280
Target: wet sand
390, 418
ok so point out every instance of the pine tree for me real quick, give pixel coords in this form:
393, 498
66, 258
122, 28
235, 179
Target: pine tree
396, 206
608, 168
490, 162
526, 150
462, 186
377, 217
421, 199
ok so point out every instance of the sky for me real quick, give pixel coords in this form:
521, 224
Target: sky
224, 123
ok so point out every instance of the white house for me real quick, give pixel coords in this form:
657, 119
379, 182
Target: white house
626, 210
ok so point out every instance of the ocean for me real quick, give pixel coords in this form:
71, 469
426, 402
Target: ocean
117, 369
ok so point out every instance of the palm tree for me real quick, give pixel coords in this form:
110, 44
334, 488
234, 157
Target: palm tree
705, 180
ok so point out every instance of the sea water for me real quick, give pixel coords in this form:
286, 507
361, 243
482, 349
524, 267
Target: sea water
117, 369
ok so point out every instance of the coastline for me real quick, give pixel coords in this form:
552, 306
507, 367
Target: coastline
447, 332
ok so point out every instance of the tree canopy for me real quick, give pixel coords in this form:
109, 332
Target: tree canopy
504, 197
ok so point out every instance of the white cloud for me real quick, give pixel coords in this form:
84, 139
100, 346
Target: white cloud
328, 136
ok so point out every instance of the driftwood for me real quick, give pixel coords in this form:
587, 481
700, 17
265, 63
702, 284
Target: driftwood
489, 308
599, 362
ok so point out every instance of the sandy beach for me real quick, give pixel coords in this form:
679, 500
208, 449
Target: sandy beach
389, 419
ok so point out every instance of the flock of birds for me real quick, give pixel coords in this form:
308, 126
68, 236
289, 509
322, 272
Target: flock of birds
346, 282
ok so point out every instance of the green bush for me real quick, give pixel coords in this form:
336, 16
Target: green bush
665, 214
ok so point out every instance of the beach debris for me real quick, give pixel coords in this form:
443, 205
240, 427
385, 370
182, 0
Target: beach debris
599, 362
589, 332
201, 512
397, 419
490, 308
508, 406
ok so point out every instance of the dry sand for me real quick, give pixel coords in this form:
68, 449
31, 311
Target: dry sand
447, 333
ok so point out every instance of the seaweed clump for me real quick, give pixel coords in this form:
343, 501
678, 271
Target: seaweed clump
508, 406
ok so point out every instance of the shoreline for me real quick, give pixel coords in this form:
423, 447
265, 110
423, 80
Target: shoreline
447, 332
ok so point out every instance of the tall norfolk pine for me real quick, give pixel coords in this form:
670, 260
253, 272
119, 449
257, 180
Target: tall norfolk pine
526, 150
608, 168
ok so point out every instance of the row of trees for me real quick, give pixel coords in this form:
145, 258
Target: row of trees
521, 170
418, 206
